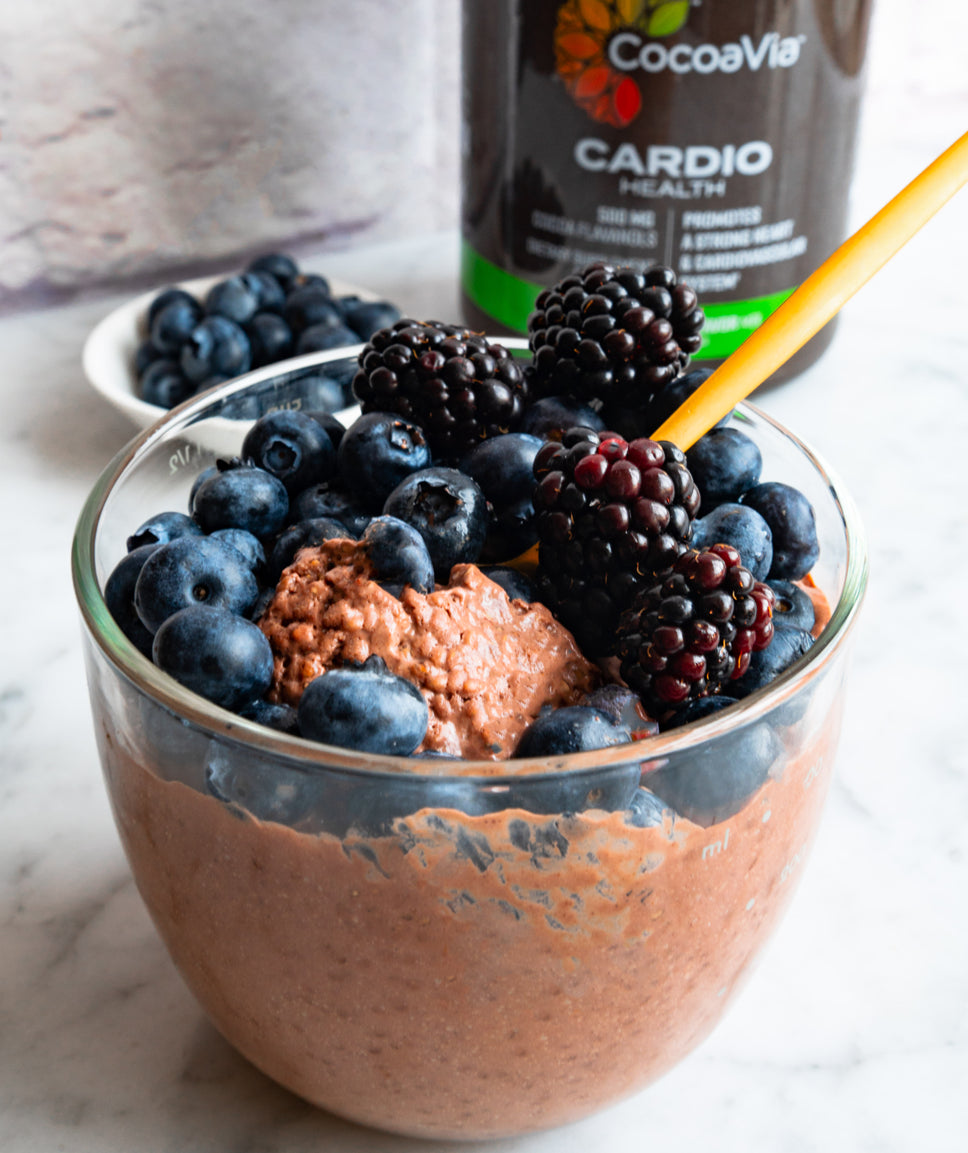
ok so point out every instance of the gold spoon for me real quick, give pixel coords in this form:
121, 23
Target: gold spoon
819, 298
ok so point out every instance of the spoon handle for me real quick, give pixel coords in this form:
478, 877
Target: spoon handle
819, 298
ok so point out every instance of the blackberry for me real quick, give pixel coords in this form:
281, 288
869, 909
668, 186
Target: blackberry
611, 516
457, 385
613, 334
694, 631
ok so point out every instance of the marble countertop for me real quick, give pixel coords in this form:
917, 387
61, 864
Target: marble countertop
852, 1034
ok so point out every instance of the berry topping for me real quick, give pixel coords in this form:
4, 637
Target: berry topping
793, 526
304, 534
724, 463
292, 446
789, 644
613, 334
216, 654
162, 528
398, 554
741, 527
242, 497
448, 510
570, 729
193, 570
611, 516
794, 608
377, 451
455, 384
503, 467
364, 706
695, 631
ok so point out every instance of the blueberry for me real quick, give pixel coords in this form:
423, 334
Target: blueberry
284, 795
213, 652
323, 500
270, 338
145, 354
282, 718
161, 528
647, 811
322, 337
119, 597
515, 583
203, 476
343, 371
174, 324
398, 554
724, 463
309, 306
309, 280
364, 707
676, 392
503, 467
347, 301
334, 427
163, 383
787, 646
248, 498
278, 265
511, 531
372, 809
217, 345
233, 298
377, 451
305, 534
249, 547
262, 601
571, 729
448, 510
366, 317
623, 707
193, 570
609, 789
164, 298
549, 417
793, 525
793, 608
714, 780
292, 446
268, 292
696, 709
320, 393
741, 527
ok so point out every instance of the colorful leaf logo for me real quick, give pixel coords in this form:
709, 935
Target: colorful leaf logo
581, 38
666, 17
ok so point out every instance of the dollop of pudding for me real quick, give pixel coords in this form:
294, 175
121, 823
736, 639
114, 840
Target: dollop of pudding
486, 664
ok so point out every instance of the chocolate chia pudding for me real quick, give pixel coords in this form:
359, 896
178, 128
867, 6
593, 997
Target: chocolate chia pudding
468, 976
464, 943
486, 664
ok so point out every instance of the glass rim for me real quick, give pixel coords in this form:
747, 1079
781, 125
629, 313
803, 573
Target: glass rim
311, 756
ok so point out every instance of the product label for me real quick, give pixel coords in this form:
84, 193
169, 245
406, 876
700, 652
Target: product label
713, 137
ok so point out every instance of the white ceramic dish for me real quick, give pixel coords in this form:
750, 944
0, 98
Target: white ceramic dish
108, 356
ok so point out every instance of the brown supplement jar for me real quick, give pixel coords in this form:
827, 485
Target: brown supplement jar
716, 137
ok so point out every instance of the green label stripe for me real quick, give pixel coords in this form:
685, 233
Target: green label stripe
728, 325
510, 301
503, 297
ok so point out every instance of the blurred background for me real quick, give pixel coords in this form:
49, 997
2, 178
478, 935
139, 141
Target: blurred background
148, 139
143, 140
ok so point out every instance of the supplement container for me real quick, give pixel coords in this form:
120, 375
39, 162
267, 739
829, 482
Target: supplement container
714, 137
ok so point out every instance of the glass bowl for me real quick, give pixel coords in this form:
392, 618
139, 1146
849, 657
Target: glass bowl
455, 949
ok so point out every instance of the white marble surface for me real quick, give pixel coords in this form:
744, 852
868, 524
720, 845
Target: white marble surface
853, 1033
